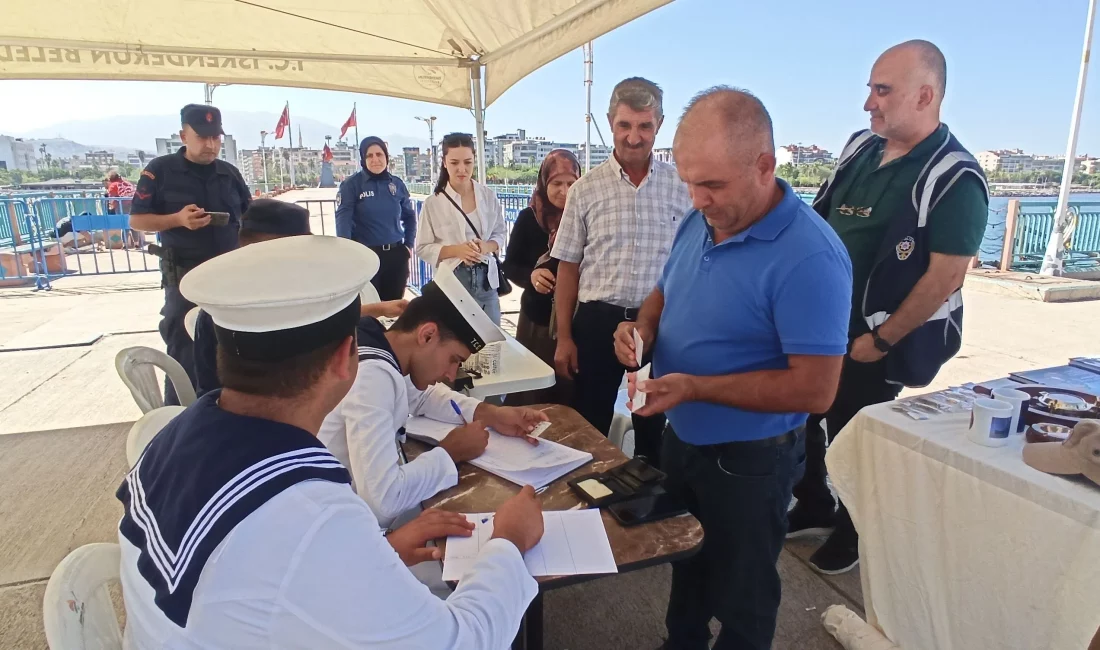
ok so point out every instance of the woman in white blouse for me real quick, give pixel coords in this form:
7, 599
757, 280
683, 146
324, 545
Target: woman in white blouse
463, 219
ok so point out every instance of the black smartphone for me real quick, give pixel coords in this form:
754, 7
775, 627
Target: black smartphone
218, 218
645, 509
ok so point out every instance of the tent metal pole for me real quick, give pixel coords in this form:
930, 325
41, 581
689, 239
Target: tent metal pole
1053, 260
588, 107
479, 121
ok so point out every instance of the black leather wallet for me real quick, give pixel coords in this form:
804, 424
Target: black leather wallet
632, 479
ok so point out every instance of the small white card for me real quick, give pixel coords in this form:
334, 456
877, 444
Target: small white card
639, 397
540, 429
637, 348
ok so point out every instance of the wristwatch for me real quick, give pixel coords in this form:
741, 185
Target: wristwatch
881, 344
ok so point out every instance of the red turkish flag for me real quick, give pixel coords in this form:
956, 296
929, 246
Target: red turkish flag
347, 125
326, 154
284, 121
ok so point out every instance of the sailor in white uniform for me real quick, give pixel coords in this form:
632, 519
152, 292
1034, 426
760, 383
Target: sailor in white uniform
400, 374
241, 530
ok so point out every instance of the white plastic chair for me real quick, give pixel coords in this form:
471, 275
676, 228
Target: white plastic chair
135, 366
77, 609
189, 320
145, 428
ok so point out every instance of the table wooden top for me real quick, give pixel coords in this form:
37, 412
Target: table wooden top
634, 547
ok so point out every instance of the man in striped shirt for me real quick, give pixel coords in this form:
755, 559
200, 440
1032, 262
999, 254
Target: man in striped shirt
614, 238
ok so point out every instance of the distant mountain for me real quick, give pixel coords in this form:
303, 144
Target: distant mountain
64, 148
132, 132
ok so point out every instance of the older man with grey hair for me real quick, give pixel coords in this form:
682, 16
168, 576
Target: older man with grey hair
614, 237
748, 325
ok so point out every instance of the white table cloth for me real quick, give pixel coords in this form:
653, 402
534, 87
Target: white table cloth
964, 547
520, 370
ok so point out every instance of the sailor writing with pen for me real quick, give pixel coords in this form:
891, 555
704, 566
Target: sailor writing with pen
240, 529
400, 375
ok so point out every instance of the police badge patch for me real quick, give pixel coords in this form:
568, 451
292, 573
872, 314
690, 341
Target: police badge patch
393, 189
905, 248
339, 199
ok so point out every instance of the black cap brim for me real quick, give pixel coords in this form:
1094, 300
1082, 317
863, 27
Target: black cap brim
207, 130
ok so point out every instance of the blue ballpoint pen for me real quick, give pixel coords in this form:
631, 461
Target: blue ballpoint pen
462, 417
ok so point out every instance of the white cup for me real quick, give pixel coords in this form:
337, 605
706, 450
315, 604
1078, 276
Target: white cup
489, 359
1019, 401
990, 422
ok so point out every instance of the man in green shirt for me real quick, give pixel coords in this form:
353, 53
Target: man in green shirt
871, 191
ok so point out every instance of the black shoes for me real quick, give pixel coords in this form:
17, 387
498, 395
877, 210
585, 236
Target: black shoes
802, 522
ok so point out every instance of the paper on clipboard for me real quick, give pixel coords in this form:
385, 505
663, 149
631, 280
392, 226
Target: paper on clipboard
639, 397
574, 542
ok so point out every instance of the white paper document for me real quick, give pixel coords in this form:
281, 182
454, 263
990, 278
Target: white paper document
574, 542
513, 459
639, 397
637, 348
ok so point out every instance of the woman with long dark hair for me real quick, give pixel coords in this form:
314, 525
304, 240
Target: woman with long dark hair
528, 265
463, 219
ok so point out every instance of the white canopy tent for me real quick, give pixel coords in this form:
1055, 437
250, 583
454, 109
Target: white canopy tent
438, 51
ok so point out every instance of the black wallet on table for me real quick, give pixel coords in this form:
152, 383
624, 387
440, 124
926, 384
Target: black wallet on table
632, 479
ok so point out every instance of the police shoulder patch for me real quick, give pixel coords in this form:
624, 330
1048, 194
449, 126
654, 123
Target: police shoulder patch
339, 198
905, 248
148, 174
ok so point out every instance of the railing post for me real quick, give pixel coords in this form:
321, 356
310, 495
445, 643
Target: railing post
1010, 234
17, 238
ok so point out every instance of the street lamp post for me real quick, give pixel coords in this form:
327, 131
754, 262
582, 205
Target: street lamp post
263, 158
430, 121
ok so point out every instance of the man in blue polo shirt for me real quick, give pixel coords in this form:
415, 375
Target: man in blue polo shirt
748, 326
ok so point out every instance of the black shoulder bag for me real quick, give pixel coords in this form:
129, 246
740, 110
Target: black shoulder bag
504, 287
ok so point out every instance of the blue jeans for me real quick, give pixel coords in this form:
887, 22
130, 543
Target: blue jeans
739, 492
475, 279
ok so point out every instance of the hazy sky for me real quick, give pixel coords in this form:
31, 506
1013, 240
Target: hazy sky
1012, 72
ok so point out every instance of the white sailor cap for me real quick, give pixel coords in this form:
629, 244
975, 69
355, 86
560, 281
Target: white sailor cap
277, 299
458, 310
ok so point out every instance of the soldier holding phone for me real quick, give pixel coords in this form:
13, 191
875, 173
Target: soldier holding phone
195, 201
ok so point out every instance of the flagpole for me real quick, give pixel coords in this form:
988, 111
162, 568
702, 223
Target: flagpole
290, 161
355, 112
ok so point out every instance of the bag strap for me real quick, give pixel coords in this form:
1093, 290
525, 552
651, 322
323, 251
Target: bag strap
463, 213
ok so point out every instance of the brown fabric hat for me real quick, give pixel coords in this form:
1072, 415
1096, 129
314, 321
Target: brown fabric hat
1079, 454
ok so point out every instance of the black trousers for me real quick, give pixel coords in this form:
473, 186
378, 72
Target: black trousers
597, 381
177, 342
393, 271
861, 385
739, 492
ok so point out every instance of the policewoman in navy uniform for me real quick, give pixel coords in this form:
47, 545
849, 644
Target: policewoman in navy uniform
373, 208
175, 197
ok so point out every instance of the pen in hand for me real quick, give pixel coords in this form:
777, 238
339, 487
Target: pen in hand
462, 417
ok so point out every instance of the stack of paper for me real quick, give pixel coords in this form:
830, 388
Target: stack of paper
512, 459
574, 542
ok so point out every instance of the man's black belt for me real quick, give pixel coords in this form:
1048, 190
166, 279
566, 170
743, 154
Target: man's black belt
774, 441
386, 247
625, 313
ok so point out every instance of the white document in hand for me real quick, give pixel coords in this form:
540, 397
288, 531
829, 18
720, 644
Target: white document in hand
574, 542
637, 348
639, 397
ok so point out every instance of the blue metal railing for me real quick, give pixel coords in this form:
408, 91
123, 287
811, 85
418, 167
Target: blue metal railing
46, 237
425, 189
420, 272
1034, 223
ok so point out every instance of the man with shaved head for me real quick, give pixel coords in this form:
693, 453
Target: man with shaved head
910, 204
748, 327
